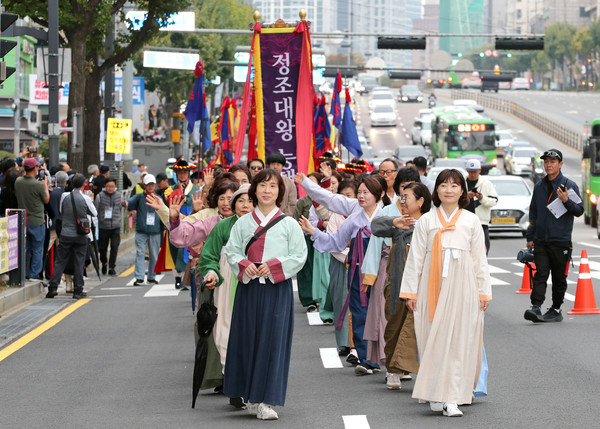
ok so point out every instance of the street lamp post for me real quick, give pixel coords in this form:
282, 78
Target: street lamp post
53, 124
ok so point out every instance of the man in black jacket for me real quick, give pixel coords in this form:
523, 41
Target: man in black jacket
555, 202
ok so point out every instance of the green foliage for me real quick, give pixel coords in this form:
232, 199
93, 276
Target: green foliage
63, 143
5, 154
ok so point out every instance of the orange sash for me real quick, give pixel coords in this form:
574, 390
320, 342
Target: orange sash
435, 276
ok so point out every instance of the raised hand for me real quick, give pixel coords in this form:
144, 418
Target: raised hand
175, 207
154, 201
197, 201
306, 225
209, 178
299, 178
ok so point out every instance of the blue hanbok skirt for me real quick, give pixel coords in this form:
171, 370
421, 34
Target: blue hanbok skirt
260, 342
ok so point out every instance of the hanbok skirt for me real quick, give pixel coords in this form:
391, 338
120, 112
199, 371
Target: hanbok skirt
260, 342
376, 321
320, 282
338, 292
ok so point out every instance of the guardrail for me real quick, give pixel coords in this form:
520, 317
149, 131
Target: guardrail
564, 135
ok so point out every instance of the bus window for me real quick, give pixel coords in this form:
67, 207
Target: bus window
471, 140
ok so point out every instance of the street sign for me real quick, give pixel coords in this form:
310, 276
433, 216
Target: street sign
118, 135
181, 21
170, 60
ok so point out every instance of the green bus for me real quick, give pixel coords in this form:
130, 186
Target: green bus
590, 173
461, 132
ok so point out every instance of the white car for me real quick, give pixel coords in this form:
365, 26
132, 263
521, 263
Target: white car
518, 160
511, 213
503, 138
421, 130
381, 97
383, 115
469, 103
520, 83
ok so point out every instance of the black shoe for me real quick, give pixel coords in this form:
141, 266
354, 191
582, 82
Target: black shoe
152, 282
112, 272
218, 389
311, 308
237, 403
104, 269
177, 282
553, 315
52, 292
352, 359
79, 295
328, 322
534, 314
138, 282
343, 351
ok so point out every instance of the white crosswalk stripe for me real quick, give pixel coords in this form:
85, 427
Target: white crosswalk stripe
330, 358
356, 422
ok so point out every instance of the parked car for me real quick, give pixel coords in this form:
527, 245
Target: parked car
410, 93
434, 172
511, 213
421, 130
408, 153
383, 115
518, 160
520, 83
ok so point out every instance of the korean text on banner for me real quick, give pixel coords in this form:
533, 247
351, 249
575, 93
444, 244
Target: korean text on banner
118, 135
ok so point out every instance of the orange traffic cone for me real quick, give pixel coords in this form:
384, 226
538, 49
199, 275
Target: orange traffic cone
528, 273
585, 303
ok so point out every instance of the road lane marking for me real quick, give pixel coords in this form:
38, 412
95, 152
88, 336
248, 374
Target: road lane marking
116, 288
569, 297
590, 245
162, 290
26, 339
497, 282
356, 422
330, 358
497, 270
158, 278
128, 271
314, 319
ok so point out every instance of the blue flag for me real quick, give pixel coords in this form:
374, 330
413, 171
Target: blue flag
322, 130
206, 137
336, 106
194, 111
348, 134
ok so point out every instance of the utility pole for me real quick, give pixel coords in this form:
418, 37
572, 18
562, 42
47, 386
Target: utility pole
53, 125
17, 99
109, 85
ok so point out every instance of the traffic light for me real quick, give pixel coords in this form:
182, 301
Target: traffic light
401, 43
405, 75
332, 72
6, 20
520, 43
508, 55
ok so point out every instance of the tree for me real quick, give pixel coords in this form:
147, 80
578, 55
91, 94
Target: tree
83, 27
174, 86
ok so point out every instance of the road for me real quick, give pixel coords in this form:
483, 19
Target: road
125, 358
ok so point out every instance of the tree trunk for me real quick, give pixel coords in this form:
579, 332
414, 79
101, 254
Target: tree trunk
93, 107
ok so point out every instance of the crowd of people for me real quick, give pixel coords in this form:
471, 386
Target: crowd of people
396, 263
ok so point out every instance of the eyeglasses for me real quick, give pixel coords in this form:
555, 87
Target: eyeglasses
402, 198
387, 172
256, 167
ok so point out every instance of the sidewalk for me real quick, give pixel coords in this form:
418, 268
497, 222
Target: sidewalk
17, 297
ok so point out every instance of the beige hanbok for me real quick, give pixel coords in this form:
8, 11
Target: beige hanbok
451, 345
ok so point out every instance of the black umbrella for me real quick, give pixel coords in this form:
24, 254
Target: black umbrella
205, 320
93, 250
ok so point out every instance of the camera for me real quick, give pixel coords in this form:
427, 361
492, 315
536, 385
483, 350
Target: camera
525, 256
41, 174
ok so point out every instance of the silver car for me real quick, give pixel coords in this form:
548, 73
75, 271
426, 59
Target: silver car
421, 130
518, 160
383, 115
511, 214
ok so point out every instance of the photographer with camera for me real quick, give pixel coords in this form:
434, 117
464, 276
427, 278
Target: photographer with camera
549, 235
32, 194
482, 197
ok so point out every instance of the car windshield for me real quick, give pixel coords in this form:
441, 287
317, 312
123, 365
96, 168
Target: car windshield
426, 125
383, 108
383, 96
504, 135
511, 188
525, 153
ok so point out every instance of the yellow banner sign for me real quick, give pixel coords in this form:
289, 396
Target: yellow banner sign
118, 135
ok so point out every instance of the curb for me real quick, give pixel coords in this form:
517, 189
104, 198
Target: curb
16, 297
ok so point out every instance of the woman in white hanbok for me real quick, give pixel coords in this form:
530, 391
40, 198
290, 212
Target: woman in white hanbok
447, 285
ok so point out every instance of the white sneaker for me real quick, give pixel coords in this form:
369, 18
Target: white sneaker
404, 377
393, 381
451, 410
362, 370
438, 407
252, 408
265, 412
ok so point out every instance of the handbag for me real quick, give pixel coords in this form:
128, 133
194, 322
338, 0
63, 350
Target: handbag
82, 224
262, 231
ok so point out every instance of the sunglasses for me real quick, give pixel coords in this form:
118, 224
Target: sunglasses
256, 167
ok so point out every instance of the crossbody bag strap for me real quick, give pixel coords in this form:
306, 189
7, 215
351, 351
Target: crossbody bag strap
73, 203
262, 231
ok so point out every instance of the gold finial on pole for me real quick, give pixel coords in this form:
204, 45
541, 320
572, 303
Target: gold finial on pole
302, 14
256, 16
